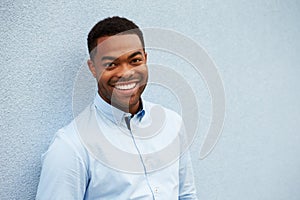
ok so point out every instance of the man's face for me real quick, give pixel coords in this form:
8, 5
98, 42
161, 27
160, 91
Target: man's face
119, 66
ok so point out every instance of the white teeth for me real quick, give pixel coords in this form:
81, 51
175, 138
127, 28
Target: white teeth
125, 86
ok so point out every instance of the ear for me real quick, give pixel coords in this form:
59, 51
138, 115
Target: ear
92, 67
146, 55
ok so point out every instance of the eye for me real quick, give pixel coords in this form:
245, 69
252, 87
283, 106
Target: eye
109, 65
136, 61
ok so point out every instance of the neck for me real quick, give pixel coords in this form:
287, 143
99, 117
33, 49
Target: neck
132, 109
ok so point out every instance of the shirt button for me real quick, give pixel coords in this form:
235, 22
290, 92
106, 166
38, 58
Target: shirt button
156, 190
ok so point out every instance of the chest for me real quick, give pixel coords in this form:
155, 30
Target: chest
108, 183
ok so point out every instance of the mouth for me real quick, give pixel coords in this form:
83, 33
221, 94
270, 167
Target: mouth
125, 86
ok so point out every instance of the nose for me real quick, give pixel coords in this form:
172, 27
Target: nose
125, 71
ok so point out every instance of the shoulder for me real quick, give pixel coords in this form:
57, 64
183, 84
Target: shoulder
65, 167
66, 145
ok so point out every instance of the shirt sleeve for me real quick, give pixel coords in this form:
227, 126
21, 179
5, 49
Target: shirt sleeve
187, 190
64, 173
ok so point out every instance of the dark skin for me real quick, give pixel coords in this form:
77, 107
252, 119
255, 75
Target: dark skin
119, 66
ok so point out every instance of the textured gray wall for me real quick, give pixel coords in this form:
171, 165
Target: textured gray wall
255, 45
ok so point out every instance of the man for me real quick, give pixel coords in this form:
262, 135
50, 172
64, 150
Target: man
121, 146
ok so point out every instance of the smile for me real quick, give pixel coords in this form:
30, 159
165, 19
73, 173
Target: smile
128, 86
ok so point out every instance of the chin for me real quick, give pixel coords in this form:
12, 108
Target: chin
127, 105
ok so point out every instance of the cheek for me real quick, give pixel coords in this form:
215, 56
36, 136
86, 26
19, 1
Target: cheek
100, 73
145, 74
103, 78
143, 70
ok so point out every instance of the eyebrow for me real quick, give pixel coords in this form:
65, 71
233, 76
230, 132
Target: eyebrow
135, 54
108, 58
114, 58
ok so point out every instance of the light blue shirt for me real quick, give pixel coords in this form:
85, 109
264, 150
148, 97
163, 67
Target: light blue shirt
125, 161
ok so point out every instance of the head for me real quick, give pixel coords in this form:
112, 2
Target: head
118, 62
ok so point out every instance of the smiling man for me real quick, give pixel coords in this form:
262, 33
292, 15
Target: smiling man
119, 65
117, 148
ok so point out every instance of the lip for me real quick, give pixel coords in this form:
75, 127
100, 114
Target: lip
125, 88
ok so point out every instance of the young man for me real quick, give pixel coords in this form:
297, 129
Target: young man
121, 146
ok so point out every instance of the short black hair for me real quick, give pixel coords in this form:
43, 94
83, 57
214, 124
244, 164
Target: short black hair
112, 26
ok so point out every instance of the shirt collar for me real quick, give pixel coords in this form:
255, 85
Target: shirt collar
114, 114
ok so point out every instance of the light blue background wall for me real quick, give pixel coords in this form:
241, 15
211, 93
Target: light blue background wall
255, 45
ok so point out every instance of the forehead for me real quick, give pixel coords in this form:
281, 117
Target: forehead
118, 45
